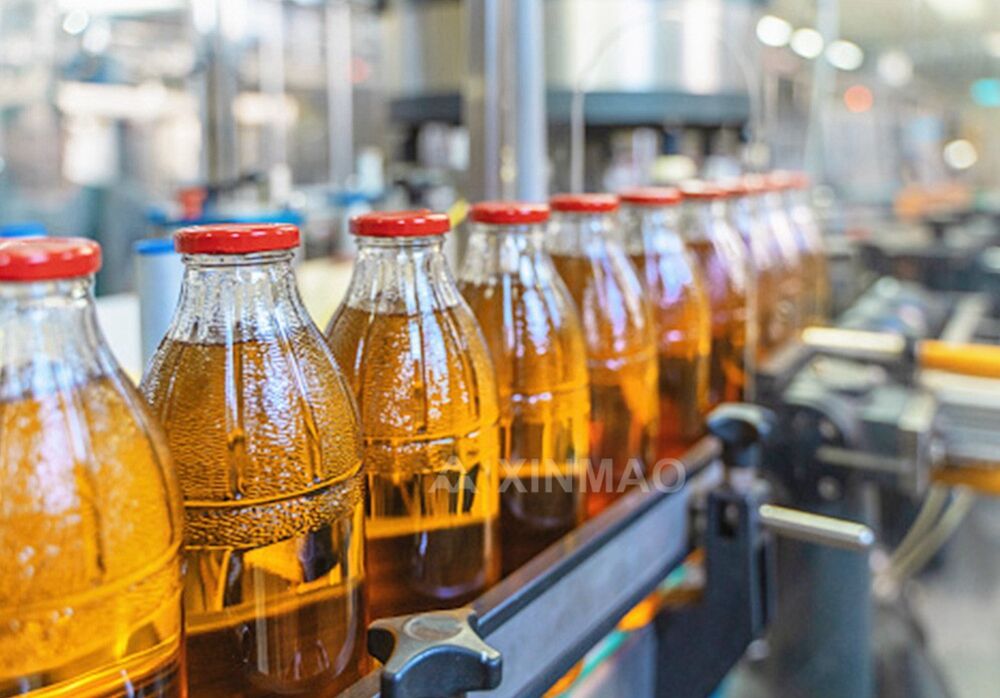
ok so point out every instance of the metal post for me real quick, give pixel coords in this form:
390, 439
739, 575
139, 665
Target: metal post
340, 92
504, 100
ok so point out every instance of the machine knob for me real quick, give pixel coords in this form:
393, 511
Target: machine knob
741, 428
433, 654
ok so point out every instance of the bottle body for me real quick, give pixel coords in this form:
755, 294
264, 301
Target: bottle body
682, 321
91, 525
621, 352
812, 250
723, 264
426, 391
766, 269
266, 440
792, 296
536, 342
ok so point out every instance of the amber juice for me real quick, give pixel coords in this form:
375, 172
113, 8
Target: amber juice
425, 389
728, 297
622, 367
97, 612
683, 332
268, 457
540, 360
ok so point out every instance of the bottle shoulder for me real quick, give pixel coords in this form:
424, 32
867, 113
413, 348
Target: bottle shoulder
424, 373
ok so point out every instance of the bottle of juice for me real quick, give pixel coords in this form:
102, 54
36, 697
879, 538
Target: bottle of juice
809, 239
764, 263
723, 264
536, 341
265, 436
90, 515
418, 364
793, 294
584, 241
682, 321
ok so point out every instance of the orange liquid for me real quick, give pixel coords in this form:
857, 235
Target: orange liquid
684, 341
426, 392
728, 302
88, 526
622, 366
541, 371
267, 449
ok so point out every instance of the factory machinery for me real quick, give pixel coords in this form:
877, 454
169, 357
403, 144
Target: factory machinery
864, 427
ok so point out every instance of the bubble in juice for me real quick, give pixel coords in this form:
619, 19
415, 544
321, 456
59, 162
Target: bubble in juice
535, 339
620, 343
90, 522
266, 440
723, 265
674, 289
417, 362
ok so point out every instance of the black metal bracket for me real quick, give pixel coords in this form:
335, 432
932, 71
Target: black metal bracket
699, 644
433, 654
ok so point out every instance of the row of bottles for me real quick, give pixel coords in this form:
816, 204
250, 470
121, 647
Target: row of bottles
439, 434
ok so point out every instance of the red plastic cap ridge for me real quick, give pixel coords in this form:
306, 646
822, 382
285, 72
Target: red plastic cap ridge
652, 196
509, 213
41, 259
391, 224
232, 238
584, 203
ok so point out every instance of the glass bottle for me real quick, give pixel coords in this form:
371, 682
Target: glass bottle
771, 208
764, 262
584, 241
418, 364
811, 247
676, 292
723, 263
265, 436
90, 522
536, 341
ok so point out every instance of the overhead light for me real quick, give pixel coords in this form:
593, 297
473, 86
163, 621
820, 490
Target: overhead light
75, 22
957, 10
992, 43
986, 92
807, 42
858, 99
895, 68
845, 55
773, 31
960, 154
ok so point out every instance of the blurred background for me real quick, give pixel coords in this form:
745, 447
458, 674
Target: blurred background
121, 118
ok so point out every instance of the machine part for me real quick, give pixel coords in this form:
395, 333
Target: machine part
533, 618
433, 654
811, 528
911, 561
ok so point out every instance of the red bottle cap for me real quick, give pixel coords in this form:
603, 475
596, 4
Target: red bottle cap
509, 212
652, 196
700, 190
755, 183
42, 259
396, 224
780, 181
584, 203
232, 238
732, 188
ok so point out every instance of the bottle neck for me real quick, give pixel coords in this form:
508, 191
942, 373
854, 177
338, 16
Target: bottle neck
504, 250
652, 230
700, 216
402, 275
49, 339
581, 234
245, 297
